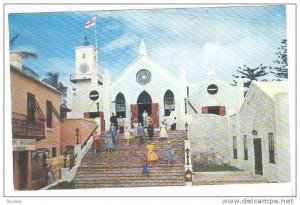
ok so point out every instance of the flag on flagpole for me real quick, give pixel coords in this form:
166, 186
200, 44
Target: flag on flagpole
90, 23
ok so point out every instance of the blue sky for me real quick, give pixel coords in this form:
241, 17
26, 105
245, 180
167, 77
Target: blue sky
196, 38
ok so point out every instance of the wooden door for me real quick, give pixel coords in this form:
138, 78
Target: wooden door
258, 156
204, 110
23, 160
134, 113
102, 122
155, 117
222, 111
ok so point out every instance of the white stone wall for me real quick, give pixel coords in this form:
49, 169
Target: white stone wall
208, 134
265, 115
282, 137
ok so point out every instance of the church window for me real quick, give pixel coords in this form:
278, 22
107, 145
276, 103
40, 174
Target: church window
83, 56
143, 77
169, 102
234, 147
212, 89
271, 148
120, 105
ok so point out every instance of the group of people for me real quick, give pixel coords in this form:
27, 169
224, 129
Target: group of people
152, 157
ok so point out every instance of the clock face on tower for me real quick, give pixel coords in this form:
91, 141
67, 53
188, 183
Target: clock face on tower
84, 68
143, 77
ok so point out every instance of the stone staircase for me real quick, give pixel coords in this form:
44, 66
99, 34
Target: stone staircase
122, 167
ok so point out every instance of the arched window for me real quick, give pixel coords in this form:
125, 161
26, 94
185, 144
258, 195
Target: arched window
169, 102
120, 105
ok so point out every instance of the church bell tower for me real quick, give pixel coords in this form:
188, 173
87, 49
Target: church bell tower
86, 66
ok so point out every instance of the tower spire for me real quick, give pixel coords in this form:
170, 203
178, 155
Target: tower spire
143, 49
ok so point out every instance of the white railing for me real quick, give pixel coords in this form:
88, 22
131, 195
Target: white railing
69, 174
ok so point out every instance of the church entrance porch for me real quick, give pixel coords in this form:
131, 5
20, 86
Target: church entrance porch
144, 103
141, 109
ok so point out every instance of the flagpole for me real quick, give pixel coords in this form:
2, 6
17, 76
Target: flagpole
96, 42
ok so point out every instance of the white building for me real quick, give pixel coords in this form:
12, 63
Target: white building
259, 133
144, 85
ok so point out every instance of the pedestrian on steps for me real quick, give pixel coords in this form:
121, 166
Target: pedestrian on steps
170, 153
109, 142
113, 132
152, 157
140, 134
145, 170
127, 135
96, 142
150, 130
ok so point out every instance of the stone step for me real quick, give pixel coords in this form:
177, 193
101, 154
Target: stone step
122, 167
119, 185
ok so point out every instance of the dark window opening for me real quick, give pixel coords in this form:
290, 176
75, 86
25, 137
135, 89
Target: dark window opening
217, 110
30, 108
169, 102
53, 151
245, 148
120, 105
235, 156
49, 113
271, 148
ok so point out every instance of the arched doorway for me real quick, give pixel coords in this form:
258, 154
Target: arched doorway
144, 102
120, 105
169, 102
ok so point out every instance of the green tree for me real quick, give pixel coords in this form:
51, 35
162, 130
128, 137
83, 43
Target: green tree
250, 74
24, 54
280, 69
52, 79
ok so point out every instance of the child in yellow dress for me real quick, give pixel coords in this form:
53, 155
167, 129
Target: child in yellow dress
152, 157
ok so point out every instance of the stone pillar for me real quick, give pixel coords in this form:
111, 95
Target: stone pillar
65, 172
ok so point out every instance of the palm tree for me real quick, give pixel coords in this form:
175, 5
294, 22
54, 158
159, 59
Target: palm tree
24, 54
52, 79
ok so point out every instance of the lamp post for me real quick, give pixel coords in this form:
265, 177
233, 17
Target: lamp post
97, 106
77, 134
185, 105
187, 151
186, 130
65, 159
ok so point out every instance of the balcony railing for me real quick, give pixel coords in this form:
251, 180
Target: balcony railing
22, 128
77, 77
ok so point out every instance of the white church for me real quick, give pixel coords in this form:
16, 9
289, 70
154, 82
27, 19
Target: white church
217, 112
144, 85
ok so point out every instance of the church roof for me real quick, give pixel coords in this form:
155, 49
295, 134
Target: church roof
272, 88
143, 55
195, 88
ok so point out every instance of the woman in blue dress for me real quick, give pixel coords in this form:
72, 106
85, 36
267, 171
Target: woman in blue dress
170, 153
109, 142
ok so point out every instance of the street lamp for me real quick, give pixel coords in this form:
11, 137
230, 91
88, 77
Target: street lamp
185, 105
97, 106
77, 134
187, 151
186, 129
65, 159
